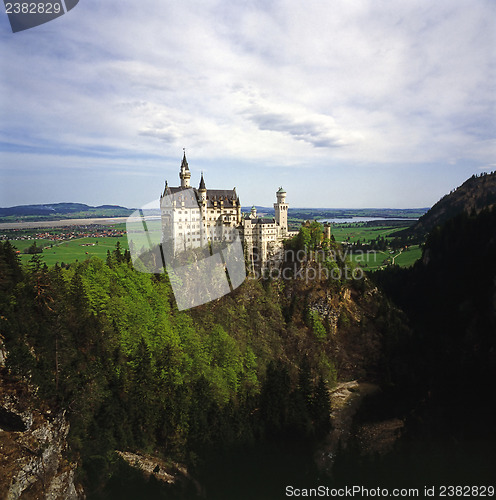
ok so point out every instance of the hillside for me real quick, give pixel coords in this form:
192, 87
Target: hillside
449, 297
254, 368
61, 211
108, 345
475, 193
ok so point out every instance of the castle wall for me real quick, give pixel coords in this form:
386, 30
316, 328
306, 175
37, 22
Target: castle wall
191, 218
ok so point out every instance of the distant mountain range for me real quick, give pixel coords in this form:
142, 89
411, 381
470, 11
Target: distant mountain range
474, 194
81, 210
63, 210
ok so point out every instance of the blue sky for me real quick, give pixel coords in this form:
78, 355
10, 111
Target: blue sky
344, 103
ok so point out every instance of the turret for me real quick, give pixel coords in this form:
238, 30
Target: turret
166, 190
185, 174
327, 231
202, 190
281, 210
281, 195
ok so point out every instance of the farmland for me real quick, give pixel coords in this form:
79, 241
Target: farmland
372, 245
67, 245
72, 250
352, 233
371, 260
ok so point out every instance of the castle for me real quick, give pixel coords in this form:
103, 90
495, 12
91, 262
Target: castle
193, 218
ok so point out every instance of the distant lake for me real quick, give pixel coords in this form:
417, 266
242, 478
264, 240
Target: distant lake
348, 220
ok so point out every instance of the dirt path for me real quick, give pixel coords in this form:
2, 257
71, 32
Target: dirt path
398, 254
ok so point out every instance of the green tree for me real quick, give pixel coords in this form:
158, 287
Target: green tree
321, 408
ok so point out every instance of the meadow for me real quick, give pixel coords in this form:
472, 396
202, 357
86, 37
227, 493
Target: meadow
360, 231
80, 249
373, 260
77, 249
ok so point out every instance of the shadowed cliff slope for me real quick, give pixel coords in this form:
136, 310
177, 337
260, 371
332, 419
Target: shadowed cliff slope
474, 194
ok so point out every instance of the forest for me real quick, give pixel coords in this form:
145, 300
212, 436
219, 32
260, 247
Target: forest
108, 345
449, 298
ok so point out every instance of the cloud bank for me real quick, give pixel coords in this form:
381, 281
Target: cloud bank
332, 86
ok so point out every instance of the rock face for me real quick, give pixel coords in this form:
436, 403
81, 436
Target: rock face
32, 447
345, 400
379, 438
371, 438
171, 473
151, 466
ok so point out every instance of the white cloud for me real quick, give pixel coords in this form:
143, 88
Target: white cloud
280, 82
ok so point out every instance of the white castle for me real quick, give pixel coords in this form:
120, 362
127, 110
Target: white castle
192, 218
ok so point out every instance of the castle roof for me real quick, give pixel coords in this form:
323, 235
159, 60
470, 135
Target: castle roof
228, 197
175, 190
281, 190
184, 163
259, 220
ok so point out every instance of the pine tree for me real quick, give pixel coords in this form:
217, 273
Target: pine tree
321, 408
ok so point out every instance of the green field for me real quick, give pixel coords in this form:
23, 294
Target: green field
362, 232
372, 260
72, 250
408, 257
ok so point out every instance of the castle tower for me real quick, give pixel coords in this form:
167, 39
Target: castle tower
327, 231
185, 174
281, 210
202, 190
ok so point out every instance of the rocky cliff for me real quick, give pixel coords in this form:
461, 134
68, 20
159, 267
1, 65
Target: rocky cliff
33, 446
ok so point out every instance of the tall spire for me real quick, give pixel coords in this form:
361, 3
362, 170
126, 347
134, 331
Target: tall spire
202, 183
184, 163
184, 174
202, 191
165, 188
